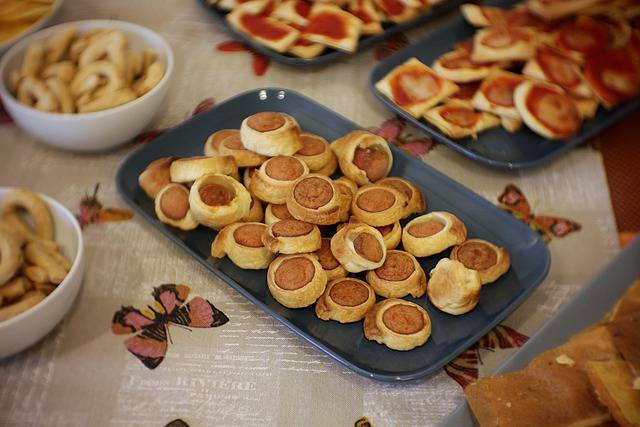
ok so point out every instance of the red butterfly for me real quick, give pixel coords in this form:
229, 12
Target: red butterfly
150, 345
513, 201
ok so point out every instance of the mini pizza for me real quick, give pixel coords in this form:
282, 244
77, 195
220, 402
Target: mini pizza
395, 10
613, 75
232, 4
367, 13
485, 16
547, 110
495, 94
458, 67
414, 87
459, 121
503, 44
586, 106
293, 12
579, 37
465, 93
550, 10
550, 65
306, 49
254, 6
263, 29
331, 26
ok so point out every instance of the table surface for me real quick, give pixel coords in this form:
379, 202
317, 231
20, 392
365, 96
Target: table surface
252, 370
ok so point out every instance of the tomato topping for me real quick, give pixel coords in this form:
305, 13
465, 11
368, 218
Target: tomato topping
555, 110
460, 116
393, 7
584, 36
261, 26
413, 85
303, 8
499, 90
327, 24
558, 69
503, 37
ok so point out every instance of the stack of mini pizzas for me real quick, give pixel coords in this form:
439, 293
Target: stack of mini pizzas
547, 64
311, 230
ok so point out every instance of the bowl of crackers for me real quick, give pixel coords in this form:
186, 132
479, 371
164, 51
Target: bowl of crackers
19, 18
86, 85
41, 266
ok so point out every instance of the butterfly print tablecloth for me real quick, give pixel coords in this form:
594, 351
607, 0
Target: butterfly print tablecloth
251, 371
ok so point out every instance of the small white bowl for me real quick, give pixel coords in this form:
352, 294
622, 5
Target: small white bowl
28, 327
89, 131
44, 20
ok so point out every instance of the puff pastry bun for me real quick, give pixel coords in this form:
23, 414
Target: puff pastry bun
227, 142
263, 29
433, 233
364, 158
414, 87
495, 94
155, 176
399, 276
398, 324
547, 110
329, 263
172, 207
274, 213
346, 300
487, 259
358, 247
459, 121
217, 200
314, 198
272, 181
391, 234
317, 154
378, 205
347, 184
330, 25
503, 43
296, 281
242, 243
191, 168
271, 134
416, 202
453, 288
291, 236
256, 211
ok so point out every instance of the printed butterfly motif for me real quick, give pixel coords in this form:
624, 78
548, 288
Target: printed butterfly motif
152, 322
91, 211
513, 201
464, 368
395, 132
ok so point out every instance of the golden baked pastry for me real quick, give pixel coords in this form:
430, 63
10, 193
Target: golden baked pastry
172, 207
358, 247
291, 236
368, 14
459, 121
378, 205
399, 276
625, 333
391, 234
317, 154
453, 288
227, 142
332, 26
38, 211
363, 157
347, 184
246, 177
495, 94
612, 381
314, 198
191, 168
263, 29
271, 134
345, 300
503, 43
296, 281
242, 243
432, 233
329, 263
487, 259
274, 213
553, 66
256, 211
458, 67
398, 324
272, 181
416, 202
155, 176
629, 304
217, 200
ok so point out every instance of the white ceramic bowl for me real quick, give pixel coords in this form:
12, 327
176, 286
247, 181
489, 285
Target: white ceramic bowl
27, 328
44, 20
89, 131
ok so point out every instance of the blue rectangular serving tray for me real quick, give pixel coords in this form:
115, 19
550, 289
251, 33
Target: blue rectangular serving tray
495, 147
346, 343
585, 309
329, 54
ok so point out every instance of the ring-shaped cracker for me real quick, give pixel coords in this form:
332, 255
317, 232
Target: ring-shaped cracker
296, 281
399, 276
242, 243
217, 200
35, 207
11, 258
433, 233
398, 324
345, 300
291, 236
172, 207
272, 181
358, 247
487, 259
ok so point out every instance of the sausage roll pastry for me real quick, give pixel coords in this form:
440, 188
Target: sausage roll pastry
314, 198
155, 176
416, 202
242, 243
459, 121
329, 263
500, 43
334, 27
274, 213
172, 207
495, 94
231, 145
391, 234
487, 259
256, 211
271, 134
246, 177
398, 324
399, 276
296, 281
272, 181
414, 87
317, 154
191, 168
453, 288
433, 233
291, 236
551, 65
358, 247
217, 200
364, 158
263, 29
378, 205
347, 184
345, 300
547, 110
